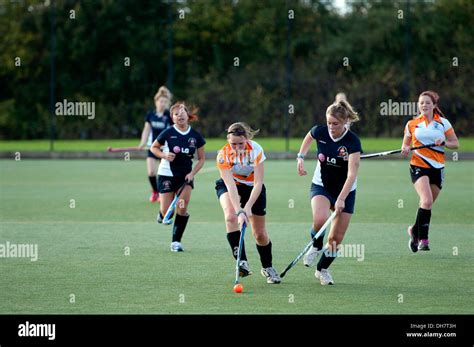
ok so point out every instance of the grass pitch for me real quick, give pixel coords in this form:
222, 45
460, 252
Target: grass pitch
108, 255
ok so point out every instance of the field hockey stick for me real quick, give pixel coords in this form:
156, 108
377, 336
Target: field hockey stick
239, 253
321, 230
169, 212
382, 154
125, 149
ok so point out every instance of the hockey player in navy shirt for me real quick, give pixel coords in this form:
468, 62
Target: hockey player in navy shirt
155, 122
334, 182
177, 146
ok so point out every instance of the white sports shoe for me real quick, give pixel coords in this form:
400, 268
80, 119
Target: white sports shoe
271, 275
324, 277
311, 255
176, 247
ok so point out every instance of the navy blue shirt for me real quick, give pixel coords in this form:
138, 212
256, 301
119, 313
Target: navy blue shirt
158, 123
333, 158
184, 145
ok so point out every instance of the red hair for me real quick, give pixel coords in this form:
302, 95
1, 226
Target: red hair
434, 98
192, 111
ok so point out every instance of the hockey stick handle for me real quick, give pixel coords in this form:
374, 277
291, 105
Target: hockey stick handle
239, 254
382, 154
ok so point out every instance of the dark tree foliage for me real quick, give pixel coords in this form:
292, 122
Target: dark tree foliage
237, 60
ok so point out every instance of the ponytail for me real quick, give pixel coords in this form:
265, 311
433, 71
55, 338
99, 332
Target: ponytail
343, 111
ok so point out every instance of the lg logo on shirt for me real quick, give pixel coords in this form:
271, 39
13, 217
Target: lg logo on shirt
330, 160
178, 149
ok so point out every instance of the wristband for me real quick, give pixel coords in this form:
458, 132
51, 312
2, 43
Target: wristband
300, 156
240, 212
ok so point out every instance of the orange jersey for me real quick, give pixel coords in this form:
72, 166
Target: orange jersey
422, 133
241, 163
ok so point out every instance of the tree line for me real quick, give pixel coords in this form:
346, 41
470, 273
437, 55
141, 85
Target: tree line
276, 64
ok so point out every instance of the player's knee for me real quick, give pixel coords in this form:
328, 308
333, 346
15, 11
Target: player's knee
231, 218
261, 236
151, 173
182, 203
426, 203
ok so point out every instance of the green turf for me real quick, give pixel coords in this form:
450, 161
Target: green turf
81, 250
270, 144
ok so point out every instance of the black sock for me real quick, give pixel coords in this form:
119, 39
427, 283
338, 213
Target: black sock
265, 254
423, 218
318, 243
414, 229
234, 239
153, 183
179, 226
326, 259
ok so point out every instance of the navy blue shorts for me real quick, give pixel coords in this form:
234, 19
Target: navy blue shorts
151, 155
349, 202
168, 184
259, 208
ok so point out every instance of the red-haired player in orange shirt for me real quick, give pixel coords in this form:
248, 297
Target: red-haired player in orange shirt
427, 164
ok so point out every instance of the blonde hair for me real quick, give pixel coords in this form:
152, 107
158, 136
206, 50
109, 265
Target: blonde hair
191, 110
343, 111
340, 96
163, 92
242, 129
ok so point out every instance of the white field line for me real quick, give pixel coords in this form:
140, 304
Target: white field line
201, 222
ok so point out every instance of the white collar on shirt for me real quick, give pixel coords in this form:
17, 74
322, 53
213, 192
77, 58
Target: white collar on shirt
340, 137
182, 132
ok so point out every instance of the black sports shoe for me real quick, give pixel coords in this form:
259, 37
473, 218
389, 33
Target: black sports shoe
159, 219
413, 242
